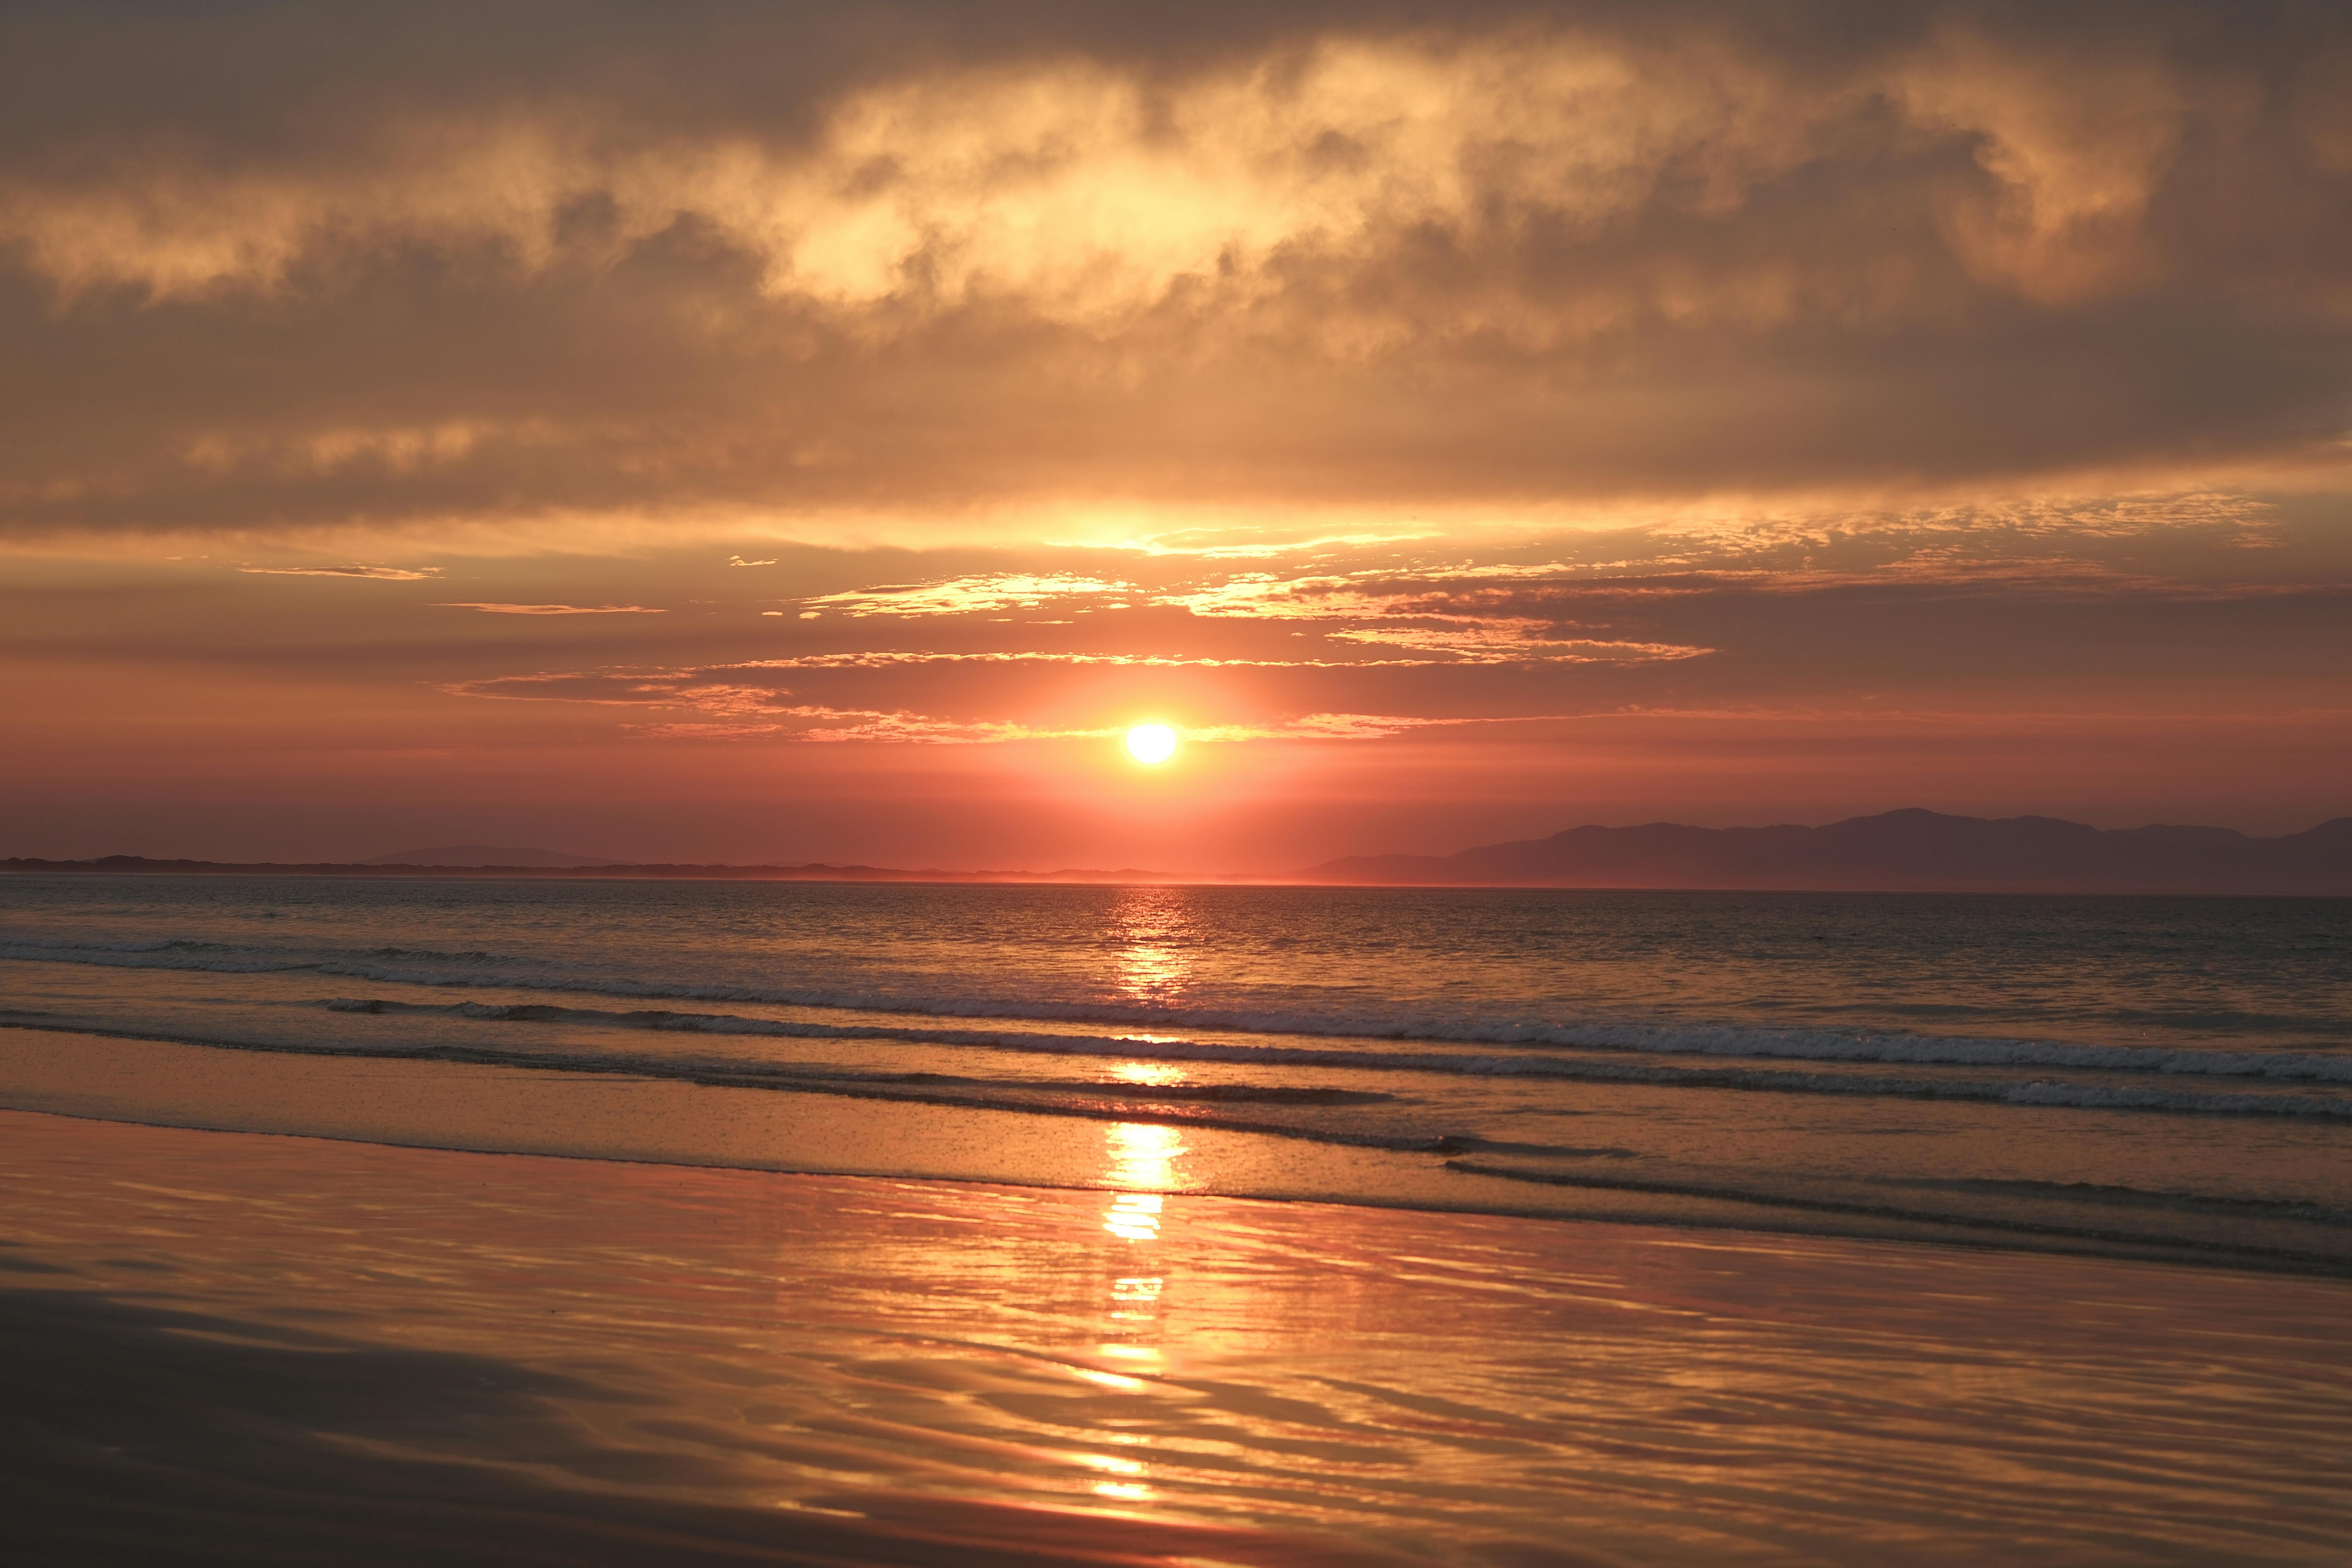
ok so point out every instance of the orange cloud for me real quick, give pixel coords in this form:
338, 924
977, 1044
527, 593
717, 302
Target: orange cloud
552, 609
969, 595
382, 574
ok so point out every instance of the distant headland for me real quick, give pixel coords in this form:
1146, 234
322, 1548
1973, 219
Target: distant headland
1896, 851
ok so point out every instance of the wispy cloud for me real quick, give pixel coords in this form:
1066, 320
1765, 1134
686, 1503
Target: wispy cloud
987, 593
821, 725
1358, 726
382, 574
1515, 641
555, 610
1397, 612
1254, 543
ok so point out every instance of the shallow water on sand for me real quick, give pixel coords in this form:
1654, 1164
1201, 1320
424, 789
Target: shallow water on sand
891, 1370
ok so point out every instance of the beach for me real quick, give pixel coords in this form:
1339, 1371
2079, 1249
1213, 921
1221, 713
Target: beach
598, 1222
229, 1347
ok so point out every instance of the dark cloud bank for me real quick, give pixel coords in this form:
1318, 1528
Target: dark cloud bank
269, 266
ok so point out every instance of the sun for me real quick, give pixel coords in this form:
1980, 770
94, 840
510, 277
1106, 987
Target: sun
1151, 744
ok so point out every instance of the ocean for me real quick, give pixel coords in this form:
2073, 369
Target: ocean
2149, 1077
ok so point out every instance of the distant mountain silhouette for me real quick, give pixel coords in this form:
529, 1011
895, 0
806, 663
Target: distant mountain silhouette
487, 855
1896, 851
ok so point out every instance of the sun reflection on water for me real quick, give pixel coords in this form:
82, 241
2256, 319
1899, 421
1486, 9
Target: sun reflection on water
1150, 930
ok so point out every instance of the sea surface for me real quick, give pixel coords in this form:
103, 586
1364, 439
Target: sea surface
2158, 1077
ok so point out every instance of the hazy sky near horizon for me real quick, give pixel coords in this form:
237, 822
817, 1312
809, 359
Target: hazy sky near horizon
817, 431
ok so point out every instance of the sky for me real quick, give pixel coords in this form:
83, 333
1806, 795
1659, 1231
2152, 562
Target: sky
817, 432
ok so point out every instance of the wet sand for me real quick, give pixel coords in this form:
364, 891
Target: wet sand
234, 1348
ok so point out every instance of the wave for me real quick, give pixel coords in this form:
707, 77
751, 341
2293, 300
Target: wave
1130, 1048
484, 970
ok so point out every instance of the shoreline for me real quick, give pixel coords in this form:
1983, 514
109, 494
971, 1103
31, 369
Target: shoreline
269, 1341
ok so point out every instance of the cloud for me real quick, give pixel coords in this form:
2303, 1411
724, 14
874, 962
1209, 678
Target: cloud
382, 574
758, 717
969, 595
1257, 541
1514, 640
1309, 263
1084, 190
1356, 726
2077, 141
1954, 533
1396, 612
555, 610
1404, 609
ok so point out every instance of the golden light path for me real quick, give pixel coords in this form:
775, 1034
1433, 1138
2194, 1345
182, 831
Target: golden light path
1151, 744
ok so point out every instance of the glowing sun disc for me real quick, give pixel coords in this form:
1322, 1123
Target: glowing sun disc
1151, 743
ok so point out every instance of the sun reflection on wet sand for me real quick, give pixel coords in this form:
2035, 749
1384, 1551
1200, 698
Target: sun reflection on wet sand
1138, 1156
1134, 1216
1240, 1382
1136, 1300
